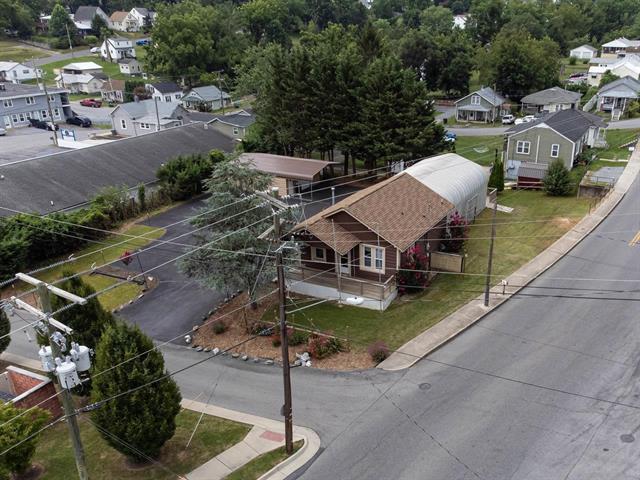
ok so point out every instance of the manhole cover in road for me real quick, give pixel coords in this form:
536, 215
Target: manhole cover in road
627, 438
424, 386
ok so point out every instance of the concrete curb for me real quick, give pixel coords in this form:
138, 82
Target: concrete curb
467, 315
298, 460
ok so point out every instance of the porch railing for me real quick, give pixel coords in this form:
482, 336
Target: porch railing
345, 284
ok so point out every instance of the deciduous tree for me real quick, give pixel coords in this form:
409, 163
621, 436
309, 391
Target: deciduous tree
16, 429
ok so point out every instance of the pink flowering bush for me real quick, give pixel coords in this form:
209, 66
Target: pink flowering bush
414, 264
457, 233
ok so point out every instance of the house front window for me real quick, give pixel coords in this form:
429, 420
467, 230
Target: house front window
177, 96
30, 100
475, 100
44, 114
56, 112
555, 150
8, 103
319, 254
372, 258
523, 147
236, 131
167, 98
145, 126
123, 124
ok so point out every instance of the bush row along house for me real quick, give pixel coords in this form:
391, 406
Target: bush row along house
530, 147
353, 250
20, 102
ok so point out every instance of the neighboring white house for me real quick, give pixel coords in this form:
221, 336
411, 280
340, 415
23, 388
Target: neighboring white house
137, 118
619, 47
138, 19
115, 49
460, 21
616, 96
627, 66
81, 77
206, 98
118, 19
165, 92
17, 72
583, 52
130, 66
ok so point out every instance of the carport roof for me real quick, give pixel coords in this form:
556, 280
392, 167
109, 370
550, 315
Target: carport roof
70, 179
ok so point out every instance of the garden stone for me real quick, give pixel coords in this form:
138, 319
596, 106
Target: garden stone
235, 355
245, 358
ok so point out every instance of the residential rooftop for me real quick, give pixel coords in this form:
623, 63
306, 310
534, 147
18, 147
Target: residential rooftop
571, 123
552, 95
10, 90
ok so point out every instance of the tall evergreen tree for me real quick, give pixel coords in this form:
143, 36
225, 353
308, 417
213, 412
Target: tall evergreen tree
5, 329
557, 181
60, 21
88, 321
144, 418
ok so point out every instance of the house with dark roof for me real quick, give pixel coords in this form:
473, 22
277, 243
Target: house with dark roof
19, 102
352, 251
167, 92
616, 96
233, 124
84, 15
144, 116
563, 134
68, 180
206, 99
550, 100
130, 66
115, 49
484, 105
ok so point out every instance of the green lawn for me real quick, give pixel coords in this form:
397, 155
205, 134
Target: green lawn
567, 69
117, 296
408, 316
261, 465
20, 52
616, 138
108, 68
468, 147
213, 436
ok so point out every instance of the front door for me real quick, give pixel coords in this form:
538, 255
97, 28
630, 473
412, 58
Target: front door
345, 264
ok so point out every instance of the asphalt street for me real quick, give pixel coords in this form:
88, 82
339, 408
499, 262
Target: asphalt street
62, 56
177, 303
545, 387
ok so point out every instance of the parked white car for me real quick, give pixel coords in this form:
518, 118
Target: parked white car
519, 121
529, 118
3, 132
95, 50
508, 119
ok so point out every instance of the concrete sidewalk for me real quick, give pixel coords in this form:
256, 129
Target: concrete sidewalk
266, 435
467, 315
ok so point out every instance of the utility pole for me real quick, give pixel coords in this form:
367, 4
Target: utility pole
69, 38
155, 102
220, 90
284, 341
43, 292
46, 94
487, 284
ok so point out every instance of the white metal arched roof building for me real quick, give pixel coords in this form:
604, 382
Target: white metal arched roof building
453, 177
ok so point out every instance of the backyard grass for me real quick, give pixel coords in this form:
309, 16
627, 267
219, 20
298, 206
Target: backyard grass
261, 465
616, 138
119, 295
408, 316
110, 69
20, 52
481, 150
567, 69
213, 436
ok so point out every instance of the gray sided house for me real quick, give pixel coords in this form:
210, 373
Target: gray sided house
551, 100
20, 102
233, 124
137, 118
484, 105
563, 134
616, 96
206, 99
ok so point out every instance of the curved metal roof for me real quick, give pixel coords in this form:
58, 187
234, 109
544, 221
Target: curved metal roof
451, 176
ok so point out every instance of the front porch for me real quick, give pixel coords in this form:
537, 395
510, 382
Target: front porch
474, 113
328, 285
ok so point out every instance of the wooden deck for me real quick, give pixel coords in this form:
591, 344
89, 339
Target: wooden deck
344, 284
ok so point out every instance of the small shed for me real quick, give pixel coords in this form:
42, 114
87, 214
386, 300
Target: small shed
530, 175
583, 52
291, 175
453, 177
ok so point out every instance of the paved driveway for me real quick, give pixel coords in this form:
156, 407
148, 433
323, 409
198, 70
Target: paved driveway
97, 115
177, 303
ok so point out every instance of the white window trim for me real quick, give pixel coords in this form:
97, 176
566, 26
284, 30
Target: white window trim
526, 145
372, 268
557, 148
30, 101
8, 103
236, 131
475, 100
317, 258
123, 123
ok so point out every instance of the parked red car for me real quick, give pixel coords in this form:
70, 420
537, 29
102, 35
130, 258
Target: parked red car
90, 102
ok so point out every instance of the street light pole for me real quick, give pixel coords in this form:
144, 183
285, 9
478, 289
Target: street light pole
487, 285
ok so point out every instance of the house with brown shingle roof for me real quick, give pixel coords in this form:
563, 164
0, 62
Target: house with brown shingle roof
353, 250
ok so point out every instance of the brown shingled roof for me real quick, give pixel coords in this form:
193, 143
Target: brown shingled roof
118, 16
285, 167
400, 209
